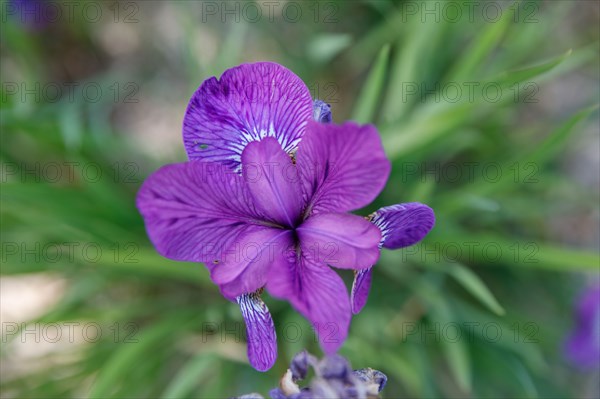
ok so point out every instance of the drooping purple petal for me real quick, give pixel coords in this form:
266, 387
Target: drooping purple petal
360, 289
260, 331
342, 167
318, 293
401, 225
195, 210
249, 102
273, 181
245, 264
341, 240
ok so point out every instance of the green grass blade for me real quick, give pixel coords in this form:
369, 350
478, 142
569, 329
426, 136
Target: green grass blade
481, 48
455, 352
457, 357
386, 32
472, 283
556, 141
370, 95
541, 154
510, 78
525, 253
128, 355
189, 376
402, 139
439, 119
409, 66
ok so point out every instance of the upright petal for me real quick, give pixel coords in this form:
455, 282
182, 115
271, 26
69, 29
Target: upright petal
250, 102
245, 264
340, 240
318, 293
342, 167
401, 225
260, 331
273, 181
195, 210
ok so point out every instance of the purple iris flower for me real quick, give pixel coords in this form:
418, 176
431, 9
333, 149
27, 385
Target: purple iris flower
264, 203
582, 347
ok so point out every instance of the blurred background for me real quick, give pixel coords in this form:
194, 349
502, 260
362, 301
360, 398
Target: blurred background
488, 111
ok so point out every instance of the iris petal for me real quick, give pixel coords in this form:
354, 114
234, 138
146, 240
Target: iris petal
273, 181
401, 225
318, 293
245, 265
342, 167
260, 331
340, 240
360, 289
194, 211
248, 103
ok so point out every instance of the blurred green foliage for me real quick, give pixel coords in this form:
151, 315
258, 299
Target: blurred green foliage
498, 256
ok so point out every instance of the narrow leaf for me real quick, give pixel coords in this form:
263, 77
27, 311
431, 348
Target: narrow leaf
472, 283
370, 94
127, 357
189, 376
482, 46
510, 78
410, 67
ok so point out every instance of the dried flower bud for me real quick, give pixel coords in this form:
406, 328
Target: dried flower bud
373, 379
334, 379
287, 384
321, 111
300, 364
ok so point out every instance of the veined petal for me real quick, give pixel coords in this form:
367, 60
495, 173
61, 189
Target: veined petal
342, 167
245, 264
260, 330
273, 181
318, 293
340, 240
248, 103
401, 225
360, 289
195, 210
